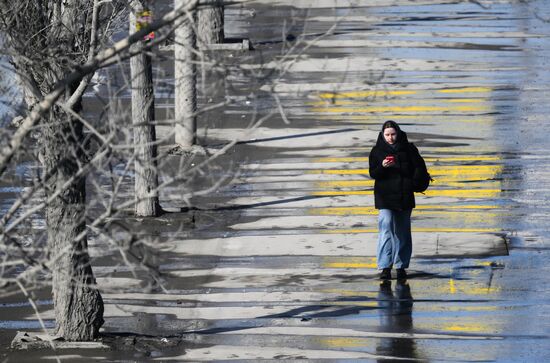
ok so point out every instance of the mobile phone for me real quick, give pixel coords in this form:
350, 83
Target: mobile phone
390, 158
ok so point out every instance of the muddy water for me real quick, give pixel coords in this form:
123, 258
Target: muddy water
280, 262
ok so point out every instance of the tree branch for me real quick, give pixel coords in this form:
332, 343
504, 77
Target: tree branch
89, 67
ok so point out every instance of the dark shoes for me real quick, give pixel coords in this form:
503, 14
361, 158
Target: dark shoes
385, 274
401, 274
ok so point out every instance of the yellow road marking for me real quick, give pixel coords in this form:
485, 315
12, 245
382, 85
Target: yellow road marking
380, 109
427, 158
458, 193
363, 102
465, 287
386, 93
360, 94
354, 262
425, 118
469, 288
467, 328
462, 170
482, 181
452, 287
465, 170
467, 90
484, 263
343, 342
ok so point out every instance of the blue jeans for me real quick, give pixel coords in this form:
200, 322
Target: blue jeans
394, 238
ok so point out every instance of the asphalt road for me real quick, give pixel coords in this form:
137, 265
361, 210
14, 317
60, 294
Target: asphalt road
280, 264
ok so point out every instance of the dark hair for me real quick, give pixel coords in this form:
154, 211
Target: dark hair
390, 124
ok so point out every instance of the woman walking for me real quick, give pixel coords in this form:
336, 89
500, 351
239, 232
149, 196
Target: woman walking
391, 165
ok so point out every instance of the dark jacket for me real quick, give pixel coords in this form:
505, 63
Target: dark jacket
393, 186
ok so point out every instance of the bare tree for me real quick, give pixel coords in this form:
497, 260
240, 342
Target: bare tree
210, 27
47, 39
205, 26
143, 114
55, 50
185, 81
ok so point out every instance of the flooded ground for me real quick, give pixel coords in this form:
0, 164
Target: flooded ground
280, 264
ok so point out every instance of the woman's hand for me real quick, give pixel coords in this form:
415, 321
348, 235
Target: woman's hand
386, 163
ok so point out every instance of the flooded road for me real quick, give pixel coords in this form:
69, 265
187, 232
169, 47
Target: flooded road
281, 263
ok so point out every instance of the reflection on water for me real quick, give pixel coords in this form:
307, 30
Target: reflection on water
396, 317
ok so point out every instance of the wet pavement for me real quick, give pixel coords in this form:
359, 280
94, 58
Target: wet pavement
280, 264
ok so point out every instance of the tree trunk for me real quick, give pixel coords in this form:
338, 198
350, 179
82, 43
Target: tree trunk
210, 24
143, 114
185, 82
77, 303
